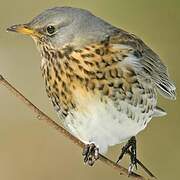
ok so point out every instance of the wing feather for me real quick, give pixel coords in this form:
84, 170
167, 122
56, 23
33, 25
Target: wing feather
146, 62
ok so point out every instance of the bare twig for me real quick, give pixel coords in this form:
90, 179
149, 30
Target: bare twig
42, 116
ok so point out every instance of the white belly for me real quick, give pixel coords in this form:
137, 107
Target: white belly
102, 123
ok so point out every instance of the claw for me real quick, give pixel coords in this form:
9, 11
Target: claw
90, 153
130, 169
96, 154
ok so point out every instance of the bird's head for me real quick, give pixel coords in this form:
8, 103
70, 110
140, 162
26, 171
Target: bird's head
62, 26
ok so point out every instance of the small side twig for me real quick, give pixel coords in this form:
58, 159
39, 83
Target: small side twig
42, 116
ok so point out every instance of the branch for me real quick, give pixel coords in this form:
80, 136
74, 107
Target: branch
43, 117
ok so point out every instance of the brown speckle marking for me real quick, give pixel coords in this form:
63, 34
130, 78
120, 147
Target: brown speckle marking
91, 85
59, 78
87, 48
79, 77
87, 55
113, 73
66, 64
60, 55
101, 86
78, 50
106, 90
75, 60
100, 75
88, 63
124, 56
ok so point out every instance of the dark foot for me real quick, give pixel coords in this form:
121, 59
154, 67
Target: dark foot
90, 153
130, 148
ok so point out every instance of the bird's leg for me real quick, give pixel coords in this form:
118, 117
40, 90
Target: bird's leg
133, 155
130, 147
90, 153
124, 151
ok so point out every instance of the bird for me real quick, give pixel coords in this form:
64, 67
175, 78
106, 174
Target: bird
103, 81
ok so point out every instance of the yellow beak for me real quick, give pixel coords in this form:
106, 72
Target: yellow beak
23, 29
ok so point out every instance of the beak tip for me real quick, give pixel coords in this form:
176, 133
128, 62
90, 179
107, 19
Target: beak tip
8, 29
12, 28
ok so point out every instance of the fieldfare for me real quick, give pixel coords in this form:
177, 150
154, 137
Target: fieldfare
102, 80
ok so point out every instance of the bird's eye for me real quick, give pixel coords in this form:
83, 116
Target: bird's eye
50, 29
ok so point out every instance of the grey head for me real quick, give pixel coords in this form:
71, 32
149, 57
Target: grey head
62, 26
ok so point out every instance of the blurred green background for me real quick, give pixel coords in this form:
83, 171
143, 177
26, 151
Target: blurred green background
31, 150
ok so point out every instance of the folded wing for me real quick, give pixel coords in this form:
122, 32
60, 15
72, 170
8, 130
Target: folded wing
146, 62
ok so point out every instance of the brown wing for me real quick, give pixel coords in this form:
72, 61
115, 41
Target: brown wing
146, 62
